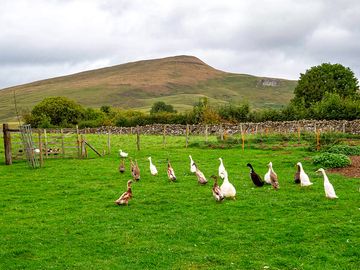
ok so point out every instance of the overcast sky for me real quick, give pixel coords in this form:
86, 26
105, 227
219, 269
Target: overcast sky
40, 39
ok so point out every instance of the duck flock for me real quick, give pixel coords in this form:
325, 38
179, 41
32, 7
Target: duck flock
226, 190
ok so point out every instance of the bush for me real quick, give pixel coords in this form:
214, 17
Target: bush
331, 160
345, 150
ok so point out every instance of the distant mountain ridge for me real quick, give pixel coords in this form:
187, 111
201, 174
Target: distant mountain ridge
177, 80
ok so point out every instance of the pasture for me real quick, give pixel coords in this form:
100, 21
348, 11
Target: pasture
63, 216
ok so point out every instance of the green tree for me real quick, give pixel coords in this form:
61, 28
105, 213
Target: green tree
58, 111
161, 106
325, 78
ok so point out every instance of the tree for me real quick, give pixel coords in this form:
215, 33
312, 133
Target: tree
325, 78
59, 111
161, 106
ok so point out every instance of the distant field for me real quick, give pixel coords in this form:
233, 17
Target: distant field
179, 80
62, 216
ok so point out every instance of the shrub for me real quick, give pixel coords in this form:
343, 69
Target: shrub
345, 150
331, 160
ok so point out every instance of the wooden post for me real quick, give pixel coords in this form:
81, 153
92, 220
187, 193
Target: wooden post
62, 142
299, 133
344, 127
41, 150
187, 136
164, 134
318, 140
138, 137
108, 141
221, 133
206, 133
45, 144
7, 144
78, 144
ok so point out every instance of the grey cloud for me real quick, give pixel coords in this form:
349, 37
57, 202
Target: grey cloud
268, 38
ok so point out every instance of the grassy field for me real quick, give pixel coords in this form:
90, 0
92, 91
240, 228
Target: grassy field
178, 81
62, 216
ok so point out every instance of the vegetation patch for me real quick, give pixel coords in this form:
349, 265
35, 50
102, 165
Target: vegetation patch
332, 160
345, 150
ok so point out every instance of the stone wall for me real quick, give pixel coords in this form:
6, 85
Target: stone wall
352, 127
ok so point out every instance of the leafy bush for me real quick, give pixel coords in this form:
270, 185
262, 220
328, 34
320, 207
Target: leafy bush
345, 150
331, 160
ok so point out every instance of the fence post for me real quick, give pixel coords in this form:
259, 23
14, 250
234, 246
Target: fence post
41, 150
187, 136
242, 138
138, 137
108, 141
299, 133
78, 142
7, 144
62, 142
206, 133
45, 143
318, 139
221, 133
164, 134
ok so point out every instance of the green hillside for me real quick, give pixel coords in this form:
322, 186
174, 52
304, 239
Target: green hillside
178, 80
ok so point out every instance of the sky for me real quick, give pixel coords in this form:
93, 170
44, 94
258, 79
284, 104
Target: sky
41, 39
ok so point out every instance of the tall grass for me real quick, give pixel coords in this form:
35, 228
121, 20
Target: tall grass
62, 216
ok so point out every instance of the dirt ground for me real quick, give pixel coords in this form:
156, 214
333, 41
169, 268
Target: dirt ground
351, 171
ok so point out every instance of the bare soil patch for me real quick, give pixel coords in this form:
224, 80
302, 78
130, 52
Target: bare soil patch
351, 171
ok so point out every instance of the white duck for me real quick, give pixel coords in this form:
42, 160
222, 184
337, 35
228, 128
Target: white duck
123, 154
153, 169
222, 170
328, 187
192, 165
304, 178
267, 175
227, 189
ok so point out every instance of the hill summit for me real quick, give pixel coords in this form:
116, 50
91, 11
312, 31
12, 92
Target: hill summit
177, 80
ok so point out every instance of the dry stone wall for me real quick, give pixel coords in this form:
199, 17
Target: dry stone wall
352, 127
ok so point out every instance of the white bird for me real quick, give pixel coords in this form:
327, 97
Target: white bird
192, 165
267, 175
123, 154
328, 187
222, 170
227, 189
153, 169
304, 178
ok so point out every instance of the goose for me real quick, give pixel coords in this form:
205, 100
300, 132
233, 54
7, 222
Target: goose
122, 166
126, 196
221, 169
192, 165
304, 178
227, 189
153, 169
328, 187
171, 172
216, 190
297, 175
267, 175
123, 154
255, 177
273, 177
200, 176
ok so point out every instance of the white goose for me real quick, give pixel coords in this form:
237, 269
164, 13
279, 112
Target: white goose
123, 154
304, 178
222, 170
192, 165
153, 169
267, 177
328, 187
227, 189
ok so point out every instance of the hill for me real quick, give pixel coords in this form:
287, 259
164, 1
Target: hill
178, 80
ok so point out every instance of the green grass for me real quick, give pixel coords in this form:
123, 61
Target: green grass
62, 216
